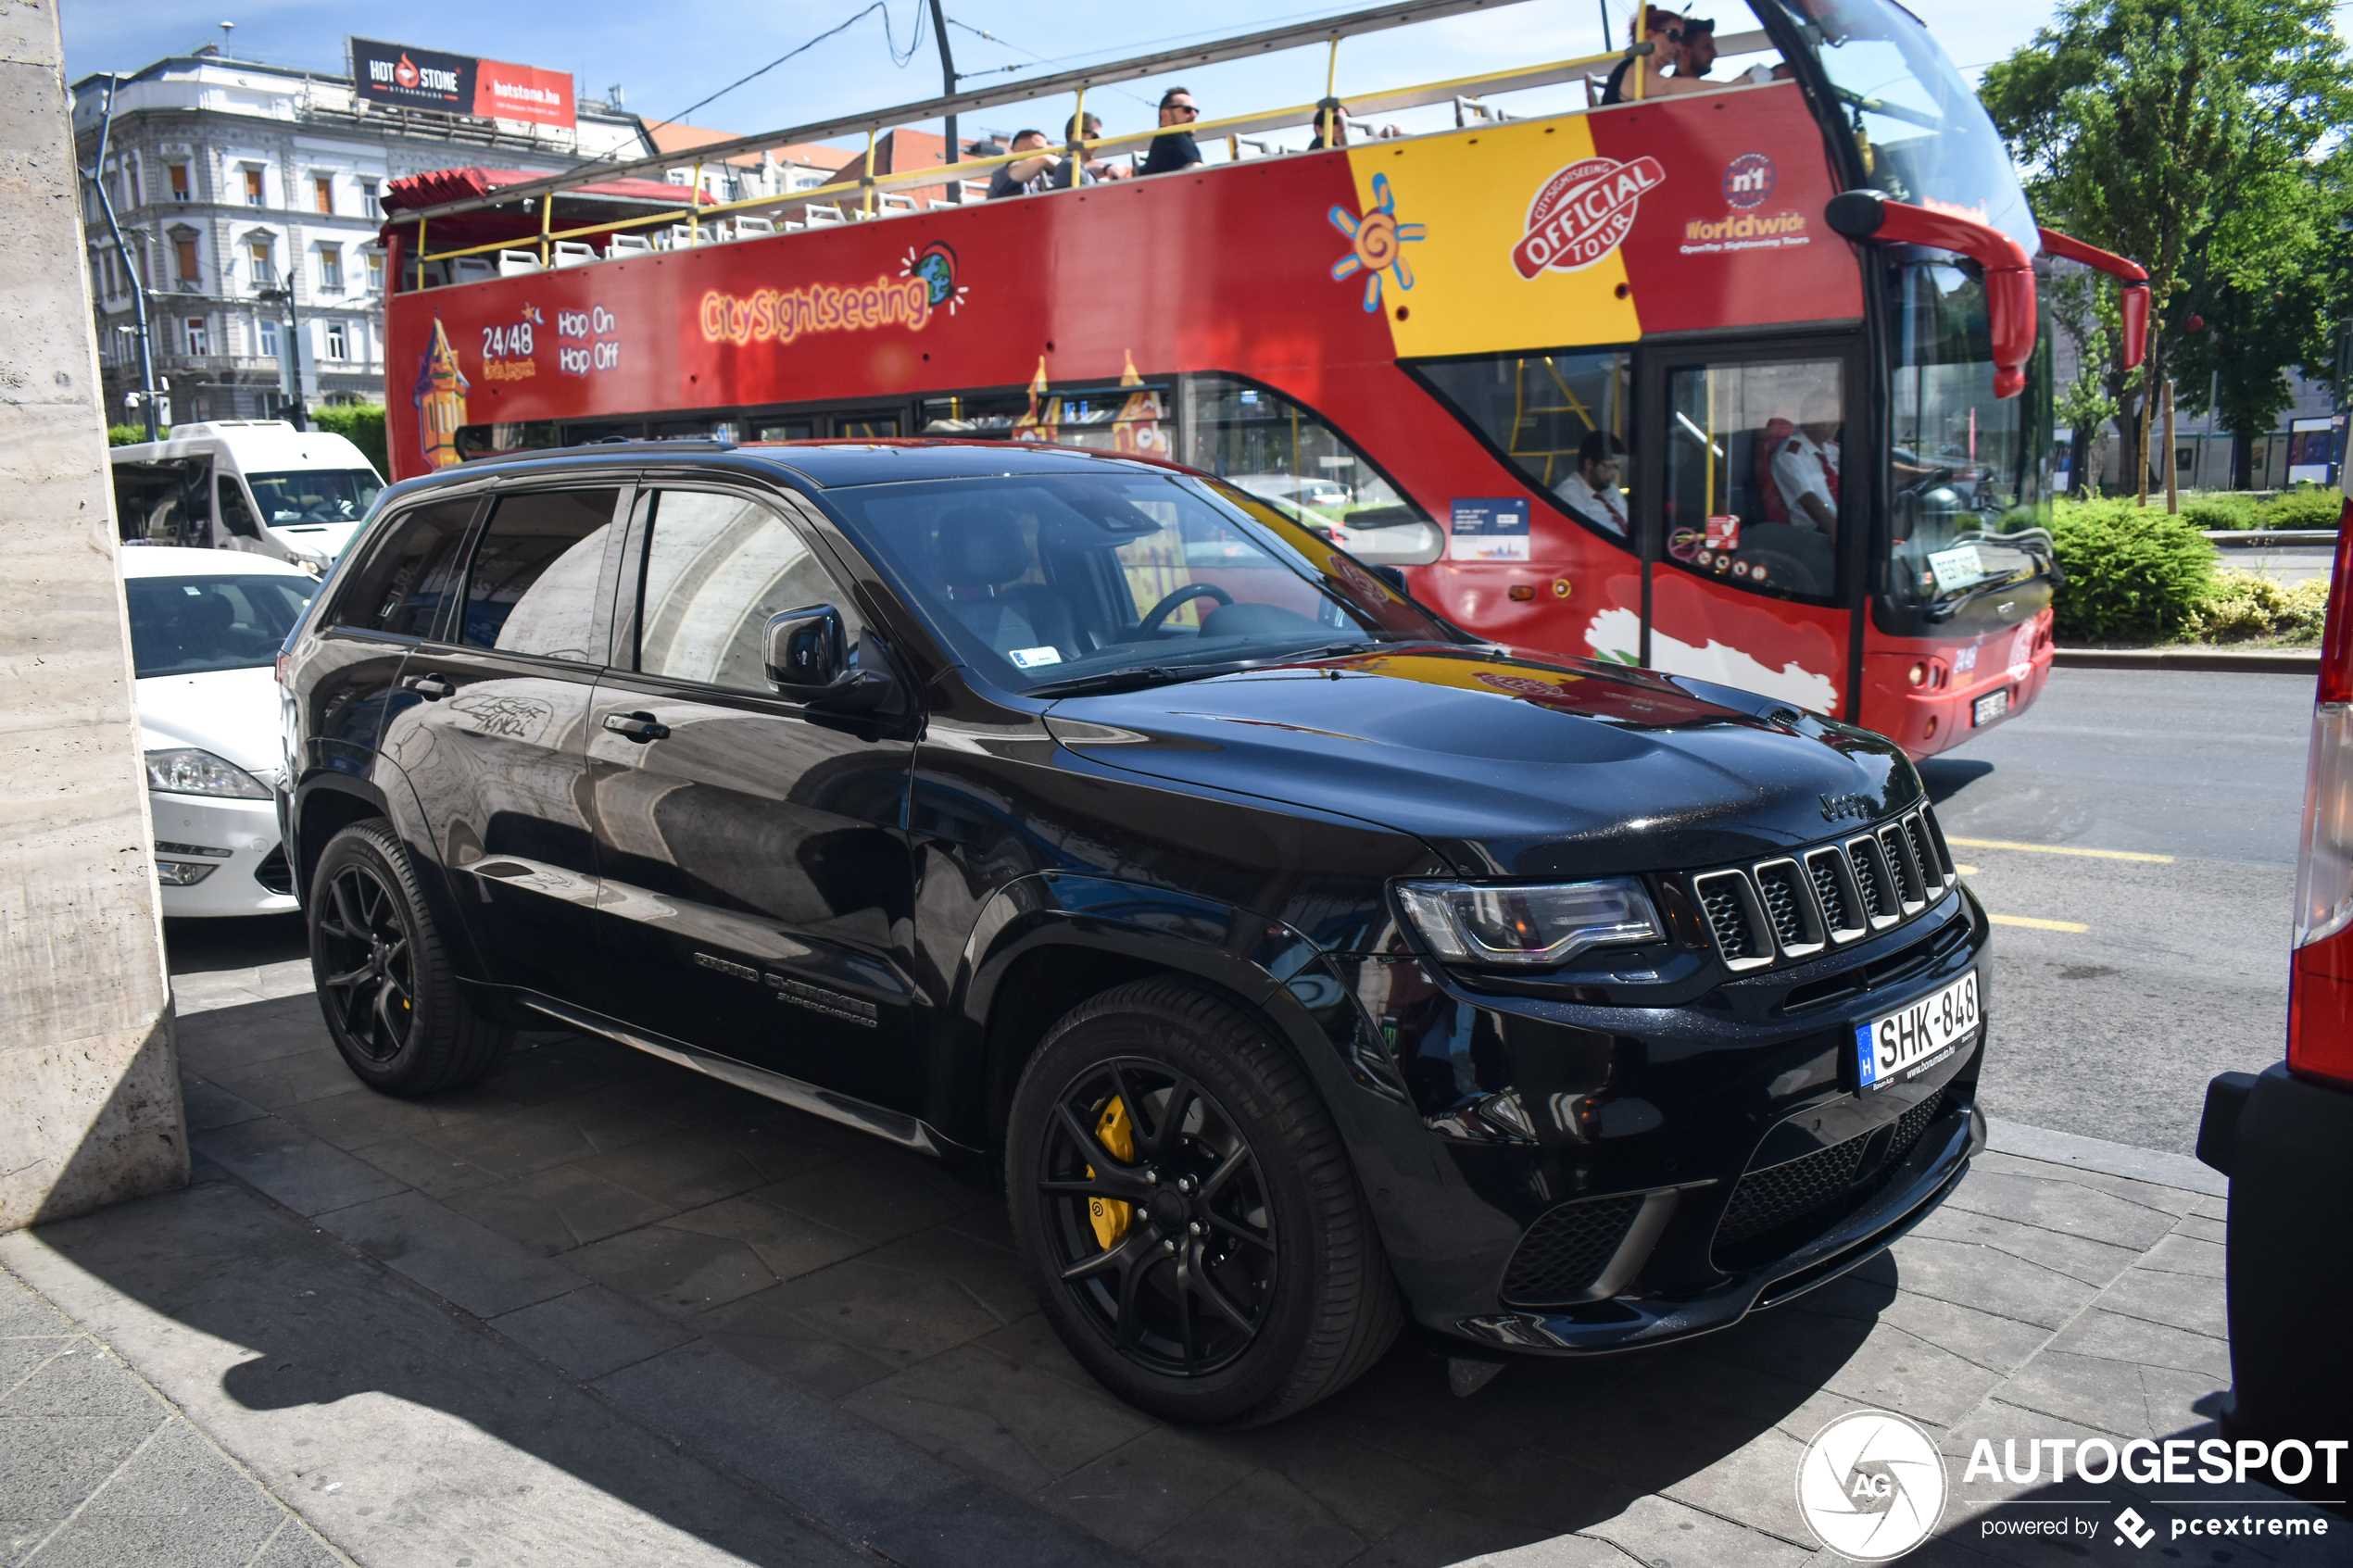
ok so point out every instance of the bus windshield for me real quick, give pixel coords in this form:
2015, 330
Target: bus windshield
1920, 133
1058, 582
1970, 500
315, 494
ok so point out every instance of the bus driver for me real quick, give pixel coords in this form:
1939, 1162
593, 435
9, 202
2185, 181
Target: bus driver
1806, 468
1591, 490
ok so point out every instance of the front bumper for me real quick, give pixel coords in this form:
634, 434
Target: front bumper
251, 878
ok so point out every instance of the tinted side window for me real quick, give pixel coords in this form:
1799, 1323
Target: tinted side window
534, 585
717, 567
411, 575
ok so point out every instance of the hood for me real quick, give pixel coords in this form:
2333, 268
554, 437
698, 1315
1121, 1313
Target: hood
231, 713
1510, 766
323, 541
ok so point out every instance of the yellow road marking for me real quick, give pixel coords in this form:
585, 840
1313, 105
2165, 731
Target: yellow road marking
2037, 925
1965, 870
2059, 850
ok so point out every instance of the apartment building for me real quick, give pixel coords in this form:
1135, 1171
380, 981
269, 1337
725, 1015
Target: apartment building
229, 178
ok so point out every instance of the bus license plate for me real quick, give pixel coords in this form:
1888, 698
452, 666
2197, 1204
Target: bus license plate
1990, 707
1905, 1044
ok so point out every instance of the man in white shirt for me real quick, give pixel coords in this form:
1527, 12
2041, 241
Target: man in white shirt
1592, 491
1806, 468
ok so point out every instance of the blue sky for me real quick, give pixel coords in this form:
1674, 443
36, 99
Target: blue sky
668, 56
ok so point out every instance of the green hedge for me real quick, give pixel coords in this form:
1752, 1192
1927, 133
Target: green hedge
2307, 505
362, 424
126, 436
2133, 574
2220, 508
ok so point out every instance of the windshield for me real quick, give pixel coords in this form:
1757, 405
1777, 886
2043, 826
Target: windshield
1970, 493
187, 625
1042, 582
314, 496
1922, 133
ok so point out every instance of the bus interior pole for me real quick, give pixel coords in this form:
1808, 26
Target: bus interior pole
95, 174
948, 89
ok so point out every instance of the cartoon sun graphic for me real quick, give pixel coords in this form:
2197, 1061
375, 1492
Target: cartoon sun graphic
1379, 238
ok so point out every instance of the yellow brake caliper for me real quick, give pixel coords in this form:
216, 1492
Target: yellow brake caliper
1109, 1215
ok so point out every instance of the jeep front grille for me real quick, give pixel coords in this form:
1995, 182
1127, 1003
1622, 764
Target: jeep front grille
1828, 896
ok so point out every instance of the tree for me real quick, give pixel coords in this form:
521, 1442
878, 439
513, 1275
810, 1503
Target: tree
2172, 131
2084, 304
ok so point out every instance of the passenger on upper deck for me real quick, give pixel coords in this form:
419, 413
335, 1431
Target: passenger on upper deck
1699, 49
1664, 34
1091, 130
1339, 115
1028, 175
1592, 491
1175, 150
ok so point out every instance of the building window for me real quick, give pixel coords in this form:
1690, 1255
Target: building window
128, 174
375, 272
268, 338
200, 336
369, 203
265, 269
180, 182
186, 252
338, 341
331, 266
322, 190
253, 186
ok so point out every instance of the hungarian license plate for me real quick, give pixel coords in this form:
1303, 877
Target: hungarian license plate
1907, 1043
1990, 707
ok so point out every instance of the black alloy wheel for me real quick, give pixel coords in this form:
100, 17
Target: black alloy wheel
1158, 1217
369, 988
390, 994
1187, 1214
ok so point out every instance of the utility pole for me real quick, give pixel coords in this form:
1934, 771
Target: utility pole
2172, 464
95, 174
948, 87
293, 344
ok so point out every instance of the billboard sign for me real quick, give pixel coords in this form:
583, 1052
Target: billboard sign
427, 79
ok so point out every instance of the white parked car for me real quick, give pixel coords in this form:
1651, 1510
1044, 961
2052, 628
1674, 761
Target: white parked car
206, 626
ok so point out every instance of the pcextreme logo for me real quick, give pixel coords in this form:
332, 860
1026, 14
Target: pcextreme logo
1871, 1485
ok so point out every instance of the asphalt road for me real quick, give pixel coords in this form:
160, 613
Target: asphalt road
2179, 969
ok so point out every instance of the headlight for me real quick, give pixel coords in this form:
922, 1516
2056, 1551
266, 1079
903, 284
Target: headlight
186, 771
1534, 925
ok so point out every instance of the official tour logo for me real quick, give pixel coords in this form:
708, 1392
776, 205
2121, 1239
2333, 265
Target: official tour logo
1583, 213
1748, 182
1871, 1485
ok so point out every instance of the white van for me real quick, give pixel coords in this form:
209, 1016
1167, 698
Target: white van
246, 484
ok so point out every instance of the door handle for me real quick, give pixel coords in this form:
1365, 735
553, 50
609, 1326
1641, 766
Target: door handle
432, 688
639, 727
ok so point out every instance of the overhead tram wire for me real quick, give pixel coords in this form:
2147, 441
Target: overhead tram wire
897, 57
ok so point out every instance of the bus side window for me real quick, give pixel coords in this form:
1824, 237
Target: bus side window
1538, 409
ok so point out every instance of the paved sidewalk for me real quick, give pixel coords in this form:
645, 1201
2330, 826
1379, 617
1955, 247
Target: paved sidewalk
598, 1309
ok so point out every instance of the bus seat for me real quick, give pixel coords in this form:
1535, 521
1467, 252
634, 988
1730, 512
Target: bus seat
629, 244
891, 201
982, 558
817, 214
471, 269
572, 253
517, 263
751, 228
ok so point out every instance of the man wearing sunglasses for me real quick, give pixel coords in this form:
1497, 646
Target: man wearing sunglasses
1175, 150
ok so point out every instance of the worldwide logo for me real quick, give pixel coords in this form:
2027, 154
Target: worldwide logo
1748, 182
1871, 1485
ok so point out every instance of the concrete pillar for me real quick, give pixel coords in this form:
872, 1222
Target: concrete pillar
89, 1107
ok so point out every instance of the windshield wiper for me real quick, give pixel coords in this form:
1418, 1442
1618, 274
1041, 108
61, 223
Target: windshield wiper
1129, 678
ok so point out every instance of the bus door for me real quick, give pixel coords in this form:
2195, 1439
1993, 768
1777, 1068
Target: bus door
1745, 509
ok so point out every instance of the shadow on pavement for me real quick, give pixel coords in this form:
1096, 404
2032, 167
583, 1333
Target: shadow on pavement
201, 946
619, 1256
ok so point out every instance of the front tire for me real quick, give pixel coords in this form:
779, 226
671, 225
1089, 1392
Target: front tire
1187, 1214
390, 994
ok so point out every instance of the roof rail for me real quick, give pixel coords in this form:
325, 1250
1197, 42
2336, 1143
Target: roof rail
621, 447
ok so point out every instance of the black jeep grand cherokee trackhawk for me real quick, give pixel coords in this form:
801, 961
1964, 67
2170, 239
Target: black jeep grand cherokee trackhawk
1311, 966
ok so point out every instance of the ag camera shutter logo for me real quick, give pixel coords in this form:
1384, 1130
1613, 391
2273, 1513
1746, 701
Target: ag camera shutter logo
1871, 1485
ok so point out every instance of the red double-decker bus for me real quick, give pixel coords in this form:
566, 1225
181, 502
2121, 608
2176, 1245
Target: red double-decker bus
1801, 302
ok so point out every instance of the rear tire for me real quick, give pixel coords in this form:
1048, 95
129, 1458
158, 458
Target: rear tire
389, 992
1224, 1269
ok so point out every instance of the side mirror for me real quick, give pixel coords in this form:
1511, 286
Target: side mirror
807, 653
